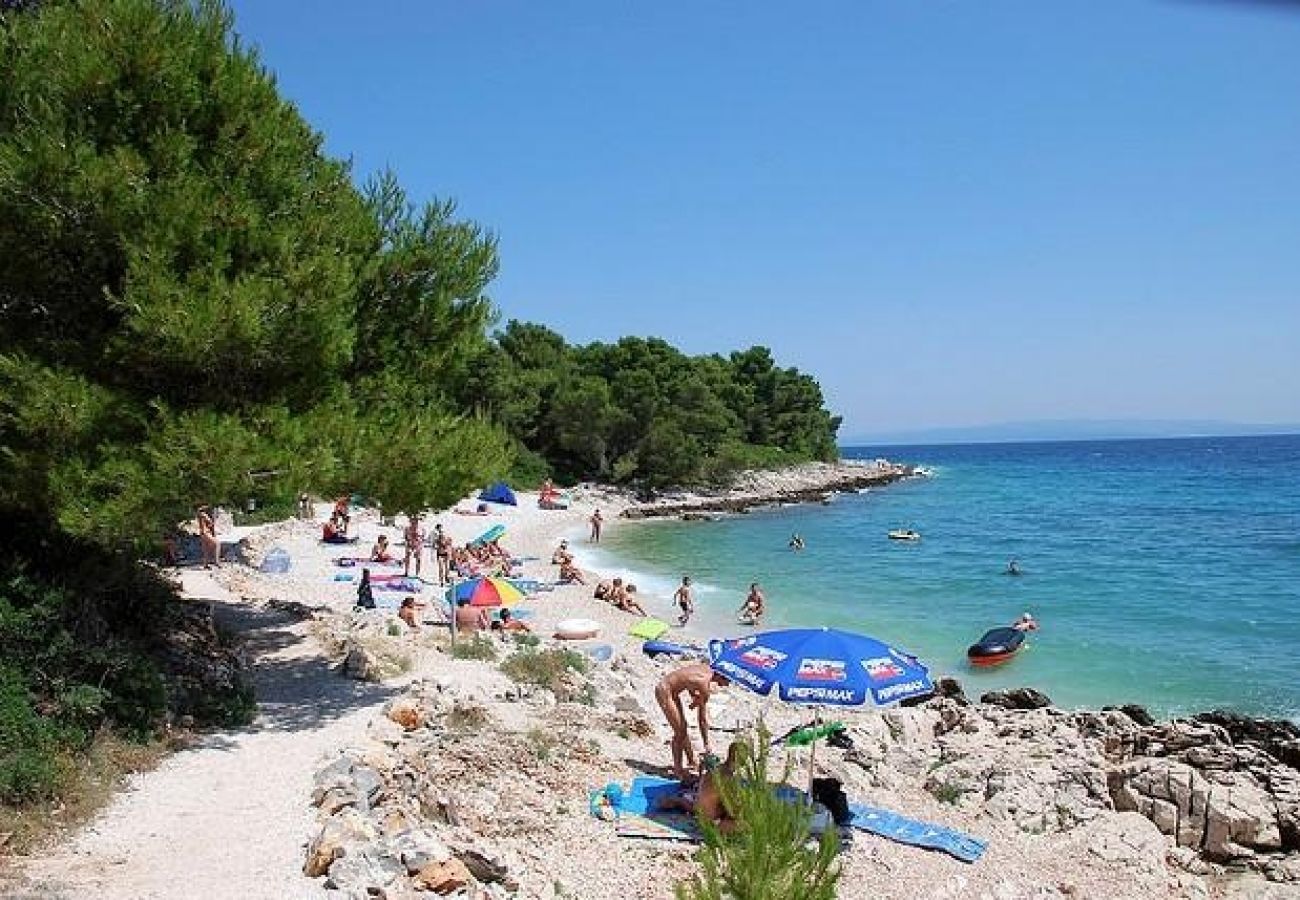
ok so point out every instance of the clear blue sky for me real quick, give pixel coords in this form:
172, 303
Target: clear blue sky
951, 213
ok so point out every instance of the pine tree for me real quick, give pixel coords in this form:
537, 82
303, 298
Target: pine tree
770, 854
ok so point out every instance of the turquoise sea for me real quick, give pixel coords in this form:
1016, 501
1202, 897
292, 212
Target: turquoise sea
1163, 572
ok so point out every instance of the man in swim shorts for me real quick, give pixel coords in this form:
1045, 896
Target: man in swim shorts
699, 682
685, 600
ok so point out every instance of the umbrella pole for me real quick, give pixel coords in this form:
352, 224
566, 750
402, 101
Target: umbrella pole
812, 755
451, 606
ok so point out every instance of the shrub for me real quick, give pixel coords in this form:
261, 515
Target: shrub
477, 647
768, 855
550, 669
29, 744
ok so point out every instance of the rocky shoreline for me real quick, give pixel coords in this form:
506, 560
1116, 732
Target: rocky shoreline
451, 774
473, 786
808, 483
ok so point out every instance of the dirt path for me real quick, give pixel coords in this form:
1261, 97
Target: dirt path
229, 817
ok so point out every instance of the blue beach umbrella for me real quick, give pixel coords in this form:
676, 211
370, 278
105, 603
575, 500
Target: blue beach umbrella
821, 667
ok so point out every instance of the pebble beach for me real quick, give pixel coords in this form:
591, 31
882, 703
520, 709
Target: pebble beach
343, 785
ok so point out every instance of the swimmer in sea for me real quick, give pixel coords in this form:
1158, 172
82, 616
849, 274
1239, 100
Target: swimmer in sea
1025, 623
1013, 568
796, 543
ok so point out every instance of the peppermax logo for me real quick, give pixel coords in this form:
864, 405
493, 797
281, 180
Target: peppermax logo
898, 690
744, 676
824, 694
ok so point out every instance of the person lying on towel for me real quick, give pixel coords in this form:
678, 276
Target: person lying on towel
706, 799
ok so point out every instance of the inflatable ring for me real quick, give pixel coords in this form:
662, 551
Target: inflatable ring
577, 629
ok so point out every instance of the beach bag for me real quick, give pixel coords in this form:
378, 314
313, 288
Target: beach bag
277, 562
829, 792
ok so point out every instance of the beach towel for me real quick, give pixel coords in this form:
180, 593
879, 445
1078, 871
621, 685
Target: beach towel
409, 585
902, 830
663, 826
649, 629
640, 816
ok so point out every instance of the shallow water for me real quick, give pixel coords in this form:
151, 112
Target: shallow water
1162, 572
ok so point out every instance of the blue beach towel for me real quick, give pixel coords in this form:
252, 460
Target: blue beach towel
640, 815
902, 830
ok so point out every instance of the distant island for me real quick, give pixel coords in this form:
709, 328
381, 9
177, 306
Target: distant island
1069, 430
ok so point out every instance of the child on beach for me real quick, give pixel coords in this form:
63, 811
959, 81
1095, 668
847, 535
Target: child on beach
751, 611
685, 600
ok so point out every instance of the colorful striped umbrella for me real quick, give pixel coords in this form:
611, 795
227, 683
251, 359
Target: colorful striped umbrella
486, 592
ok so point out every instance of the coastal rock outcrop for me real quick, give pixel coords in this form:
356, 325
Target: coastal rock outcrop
808, 483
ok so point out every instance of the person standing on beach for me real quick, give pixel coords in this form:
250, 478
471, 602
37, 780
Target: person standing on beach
699, 681
209, 546
596, 521
414, 546
442, 550
685, 600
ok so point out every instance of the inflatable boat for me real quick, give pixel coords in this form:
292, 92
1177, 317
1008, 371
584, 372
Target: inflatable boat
904, 534
996, 647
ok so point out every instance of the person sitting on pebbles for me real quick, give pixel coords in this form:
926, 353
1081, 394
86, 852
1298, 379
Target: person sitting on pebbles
626, 601
380, 552
571, 574
508, 622
561, 554
407, 612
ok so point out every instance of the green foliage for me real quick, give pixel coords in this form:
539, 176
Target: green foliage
769, 855
643, 413
551, 669
196, 304
28, 744
477, 647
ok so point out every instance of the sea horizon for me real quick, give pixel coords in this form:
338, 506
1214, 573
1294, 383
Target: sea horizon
1160, 568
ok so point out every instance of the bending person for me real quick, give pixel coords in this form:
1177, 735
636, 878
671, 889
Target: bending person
699, 682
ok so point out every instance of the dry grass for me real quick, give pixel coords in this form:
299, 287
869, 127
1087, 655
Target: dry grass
88, 783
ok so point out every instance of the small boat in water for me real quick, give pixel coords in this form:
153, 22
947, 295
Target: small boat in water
996, 647
904, 534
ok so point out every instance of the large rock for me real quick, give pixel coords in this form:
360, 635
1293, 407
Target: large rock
1017, 698
419, 848
443, 877
1229, 818
1277, 737
366, 873
328, 845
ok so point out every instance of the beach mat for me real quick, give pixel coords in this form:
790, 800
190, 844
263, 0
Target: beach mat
647, 792
649, 629
663, 826
902, 830
640, 815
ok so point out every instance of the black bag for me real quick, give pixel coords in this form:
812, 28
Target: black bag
829, 792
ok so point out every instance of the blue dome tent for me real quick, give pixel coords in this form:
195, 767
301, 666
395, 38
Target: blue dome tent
499, 493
